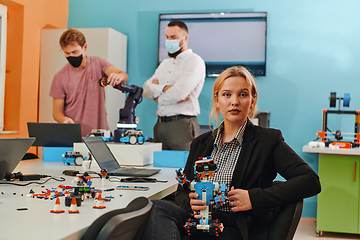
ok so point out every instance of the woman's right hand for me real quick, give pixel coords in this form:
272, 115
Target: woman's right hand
196, 205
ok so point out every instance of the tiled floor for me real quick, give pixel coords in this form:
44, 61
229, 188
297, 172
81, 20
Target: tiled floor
306, 231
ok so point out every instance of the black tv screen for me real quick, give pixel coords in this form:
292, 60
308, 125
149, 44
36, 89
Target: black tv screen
223, 39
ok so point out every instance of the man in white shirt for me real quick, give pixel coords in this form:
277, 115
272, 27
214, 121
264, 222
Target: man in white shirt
176, 86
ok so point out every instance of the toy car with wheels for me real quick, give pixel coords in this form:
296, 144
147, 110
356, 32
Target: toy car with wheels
133, 137
73, 157
105, 134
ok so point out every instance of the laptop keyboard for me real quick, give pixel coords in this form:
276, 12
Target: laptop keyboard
128, 170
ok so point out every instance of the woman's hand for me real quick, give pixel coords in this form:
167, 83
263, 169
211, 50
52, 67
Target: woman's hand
196, 205
239, 200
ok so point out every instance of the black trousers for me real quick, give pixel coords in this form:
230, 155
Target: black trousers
177, 134
167, 222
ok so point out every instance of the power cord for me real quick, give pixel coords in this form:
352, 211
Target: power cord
59, 179
92, 172
23, 177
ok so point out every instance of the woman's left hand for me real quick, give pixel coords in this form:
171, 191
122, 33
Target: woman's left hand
239, 200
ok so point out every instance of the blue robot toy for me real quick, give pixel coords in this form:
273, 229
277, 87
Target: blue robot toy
213, 193
73, 157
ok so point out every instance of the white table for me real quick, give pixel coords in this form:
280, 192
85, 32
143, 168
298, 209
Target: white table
38, 223
127, 154
326, 150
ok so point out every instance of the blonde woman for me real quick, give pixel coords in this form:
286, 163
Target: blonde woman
248, 159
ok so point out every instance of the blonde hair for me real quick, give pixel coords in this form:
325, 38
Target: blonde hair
236, 71
70, 36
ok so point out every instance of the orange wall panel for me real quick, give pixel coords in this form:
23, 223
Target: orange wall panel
22, 93
13, 67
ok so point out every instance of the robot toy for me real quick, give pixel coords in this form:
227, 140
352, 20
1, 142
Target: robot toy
73, 157
213, 193
127, 119
105, 134
133, 136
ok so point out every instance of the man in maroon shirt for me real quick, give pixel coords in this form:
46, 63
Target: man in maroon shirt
77, 95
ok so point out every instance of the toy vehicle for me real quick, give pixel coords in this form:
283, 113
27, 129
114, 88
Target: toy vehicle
84, 192
133, 137
105, 134
73, 157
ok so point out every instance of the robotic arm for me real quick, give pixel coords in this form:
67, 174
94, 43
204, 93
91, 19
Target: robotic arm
127, 119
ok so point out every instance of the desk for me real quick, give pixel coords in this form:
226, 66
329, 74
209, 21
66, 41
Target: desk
328, 151
38, 223
127, 154
338, 203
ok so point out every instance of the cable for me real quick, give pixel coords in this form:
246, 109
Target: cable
92, 172
316, 138
60, 179
162, 181
24, 177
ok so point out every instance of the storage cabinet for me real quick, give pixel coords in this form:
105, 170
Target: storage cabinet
338, 202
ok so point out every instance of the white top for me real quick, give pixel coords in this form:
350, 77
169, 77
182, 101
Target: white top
186, 73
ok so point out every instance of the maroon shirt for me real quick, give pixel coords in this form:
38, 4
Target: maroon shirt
83, 96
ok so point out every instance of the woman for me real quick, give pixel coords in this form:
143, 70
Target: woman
248, 159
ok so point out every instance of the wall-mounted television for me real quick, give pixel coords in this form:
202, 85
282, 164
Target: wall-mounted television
223, 39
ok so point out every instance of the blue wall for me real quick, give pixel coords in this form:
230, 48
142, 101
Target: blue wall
312, 49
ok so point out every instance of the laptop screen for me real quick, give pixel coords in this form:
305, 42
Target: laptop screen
101, 153
11, 152
54, 134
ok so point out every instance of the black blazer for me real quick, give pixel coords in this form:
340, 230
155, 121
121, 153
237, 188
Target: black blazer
263, 154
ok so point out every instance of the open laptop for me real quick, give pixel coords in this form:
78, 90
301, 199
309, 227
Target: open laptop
106, 160
11, 152
54, 134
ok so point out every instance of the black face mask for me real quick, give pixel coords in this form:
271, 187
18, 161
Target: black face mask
75, 61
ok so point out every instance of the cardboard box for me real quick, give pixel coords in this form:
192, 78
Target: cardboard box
170, 158
54, 154
127, 154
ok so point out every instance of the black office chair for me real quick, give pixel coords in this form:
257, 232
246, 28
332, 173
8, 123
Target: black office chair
285, 220
125, 224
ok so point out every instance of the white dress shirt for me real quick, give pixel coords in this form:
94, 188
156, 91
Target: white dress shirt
186, 74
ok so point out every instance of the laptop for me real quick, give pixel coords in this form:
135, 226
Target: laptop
54, 134
106, 160
11, 152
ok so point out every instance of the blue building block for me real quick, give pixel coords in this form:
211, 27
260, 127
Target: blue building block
54, 154
170, 158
